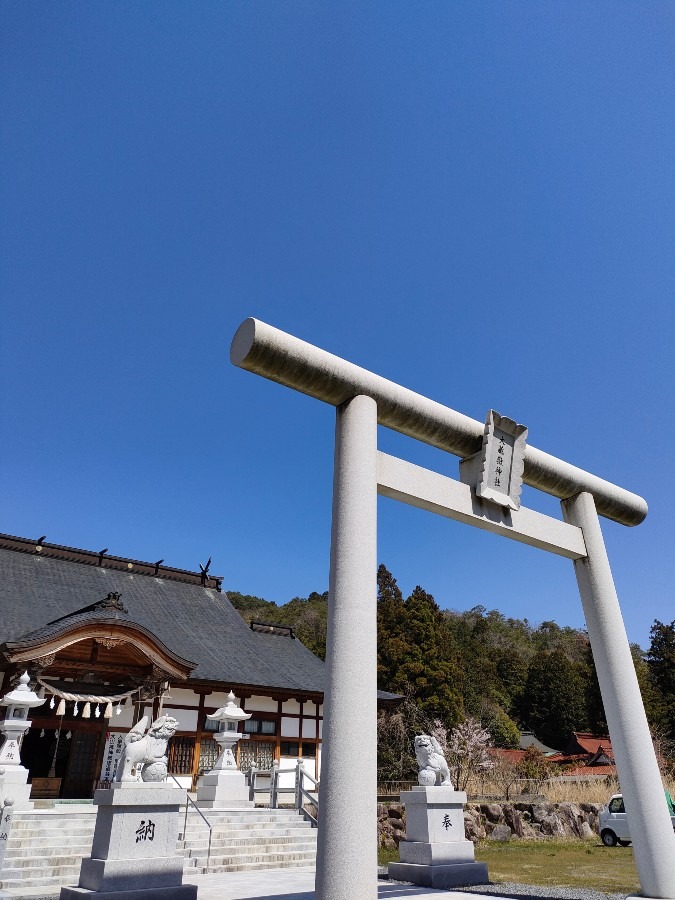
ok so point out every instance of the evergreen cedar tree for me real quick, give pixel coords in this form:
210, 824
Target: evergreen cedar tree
504, 672
661, 668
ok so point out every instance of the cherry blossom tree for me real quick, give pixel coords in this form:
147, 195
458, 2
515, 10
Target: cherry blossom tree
466, 751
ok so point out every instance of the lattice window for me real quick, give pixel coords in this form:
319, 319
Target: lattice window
208, 754
260, 752
181, 755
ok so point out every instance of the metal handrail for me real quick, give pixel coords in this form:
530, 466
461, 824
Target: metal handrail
189, 799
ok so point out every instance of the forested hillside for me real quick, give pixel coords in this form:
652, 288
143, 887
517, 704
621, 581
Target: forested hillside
307, 615
508, 673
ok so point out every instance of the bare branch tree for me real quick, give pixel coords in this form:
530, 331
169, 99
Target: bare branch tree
467, 752
505, 774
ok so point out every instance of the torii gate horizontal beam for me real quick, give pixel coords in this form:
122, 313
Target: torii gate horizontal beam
267, 351
401, 480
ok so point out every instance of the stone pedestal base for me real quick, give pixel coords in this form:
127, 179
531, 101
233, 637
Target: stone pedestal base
641, 896
436, 853
440, 876
223, 788
181, 892
133, 855
15, 785
423, 854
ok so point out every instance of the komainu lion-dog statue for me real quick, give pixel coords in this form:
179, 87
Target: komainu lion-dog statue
147, 750
432, 765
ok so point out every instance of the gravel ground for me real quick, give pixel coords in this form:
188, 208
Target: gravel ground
524, 891
511, 889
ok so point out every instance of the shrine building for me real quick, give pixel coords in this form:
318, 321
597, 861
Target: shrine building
110, 640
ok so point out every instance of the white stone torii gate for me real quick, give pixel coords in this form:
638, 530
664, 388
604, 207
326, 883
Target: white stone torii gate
347, 840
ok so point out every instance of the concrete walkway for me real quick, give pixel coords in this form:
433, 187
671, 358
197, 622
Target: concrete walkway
271, 884
296, 884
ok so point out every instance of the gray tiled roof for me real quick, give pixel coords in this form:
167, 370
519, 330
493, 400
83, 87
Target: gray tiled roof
50, 629
195, 622
527, 739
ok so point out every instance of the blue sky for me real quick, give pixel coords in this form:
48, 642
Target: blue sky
475, 200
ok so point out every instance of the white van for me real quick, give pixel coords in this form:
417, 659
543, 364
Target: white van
614, 823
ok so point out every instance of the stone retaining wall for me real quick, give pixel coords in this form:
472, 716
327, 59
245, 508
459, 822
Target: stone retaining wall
503, 821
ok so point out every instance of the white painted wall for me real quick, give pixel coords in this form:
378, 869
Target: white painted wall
187, 718
124, 719
261, 704
182, 697
290, 727
287, 779
309, 765
185, 781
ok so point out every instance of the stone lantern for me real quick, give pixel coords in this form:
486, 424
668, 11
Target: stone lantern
14, 725
225, 785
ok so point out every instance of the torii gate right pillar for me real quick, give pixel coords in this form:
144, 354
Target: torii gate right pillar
650, 826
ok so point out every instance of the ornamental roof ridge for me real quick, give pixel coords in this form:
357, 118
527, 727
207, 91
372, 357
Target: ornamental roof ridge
102, 559
112, 601
272, 628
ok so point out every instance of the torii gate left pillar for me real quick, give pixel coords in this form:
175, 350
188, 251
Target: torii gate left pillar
348, 829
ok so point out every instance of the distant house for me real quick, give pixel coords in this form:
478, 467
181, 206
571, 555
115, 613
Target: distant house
110, 639
512, 756
527, 739
587, 756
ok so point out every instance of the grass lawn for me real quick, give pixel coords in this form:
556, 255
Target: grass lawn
561, 863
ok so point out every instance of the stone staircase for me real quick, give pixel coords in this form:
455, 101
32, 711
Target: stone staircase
46, 846
248, 839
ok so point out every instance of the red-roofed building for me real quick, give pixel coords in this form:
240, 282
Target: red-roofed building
583, 742
586, 756
514, 756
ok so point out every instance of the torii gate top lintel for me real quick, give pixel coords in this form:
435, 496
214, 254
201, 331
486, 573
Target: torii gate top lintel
274, 354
